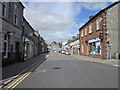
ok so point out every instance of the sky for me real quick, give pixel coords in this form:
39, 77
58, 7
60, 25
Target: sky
59, 21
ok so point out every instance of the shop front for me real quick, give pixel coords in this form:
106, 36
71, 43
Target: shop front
95, 46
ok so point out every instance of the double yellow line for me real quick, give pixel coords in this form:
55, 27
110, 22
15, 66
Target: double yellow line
20, 79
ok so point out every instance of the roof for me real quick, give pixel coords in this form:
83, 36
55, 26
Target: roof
99, 13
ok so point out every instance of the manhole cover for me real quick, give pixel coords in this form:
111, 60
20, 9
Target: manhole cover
57, 68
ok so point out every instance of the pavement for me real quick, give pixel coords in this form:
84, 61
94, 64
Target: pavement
13, 71
66, 71
113, 62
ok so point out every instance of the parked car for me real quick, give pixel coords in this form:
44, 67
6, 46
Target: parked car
67, 53
63, 51
60, 51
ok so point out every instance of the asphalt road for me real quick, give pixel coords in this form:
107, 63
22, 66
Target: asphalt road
64, 71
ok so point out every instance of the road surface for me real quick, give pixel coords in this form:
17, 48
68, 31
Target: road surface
64, 71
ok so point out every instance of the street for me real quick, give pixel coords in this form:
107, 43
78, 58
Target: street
65, 71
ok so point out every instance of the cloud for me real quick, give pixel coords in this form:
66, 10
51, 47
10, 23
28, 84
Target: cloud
94, 5
68, 0
56, 21
50, 17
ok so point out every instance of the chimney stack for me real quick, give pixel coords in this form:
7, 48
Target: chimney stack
91, 16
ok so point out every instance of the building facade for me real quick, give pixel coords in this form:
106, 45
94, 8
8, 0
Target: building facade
75, 48
99, 36
11, 17
28, 43
18, 40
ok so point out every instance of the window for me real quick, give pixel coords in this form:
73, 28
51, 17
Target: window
4, 4
85, 32
90, 48
82, 47
82, 33
97, 24
90, 28
5, 49
98, 48
15, 14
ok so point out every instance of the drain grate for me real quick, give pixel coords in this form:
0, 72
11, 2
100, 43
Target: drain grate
57, 68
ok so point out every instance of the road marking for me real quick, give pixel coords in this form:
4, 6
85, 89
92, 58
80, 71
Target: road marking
116, 65
14, 84
16, 80
20, 80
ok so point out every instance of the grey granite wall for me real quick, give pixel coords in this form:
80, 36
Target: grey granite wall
112, 28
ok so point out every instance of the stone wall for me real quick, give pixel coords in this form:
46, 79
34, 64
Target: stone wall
112, 28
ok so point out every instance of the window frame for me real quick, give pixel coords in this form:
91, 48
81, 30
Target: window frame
15, 14
82, 33
4, 9
5, 55
82, 47
90, 28
97, 24
85, 31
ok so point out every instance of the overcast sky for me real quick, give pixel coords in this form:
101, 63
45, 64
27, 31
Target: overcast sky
59, 21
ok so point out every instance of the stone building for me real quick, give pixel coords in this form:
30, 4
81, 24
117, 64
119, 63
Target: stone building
113, 30
11, 17
99, 36
28, 42
44, 46
19, 41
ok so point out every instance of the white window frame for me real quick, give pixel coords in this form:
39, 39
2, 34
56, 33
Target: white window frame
90, 28
82, 48
15, 14
6, 52
85, 31
82, 33
4, 11
97, 24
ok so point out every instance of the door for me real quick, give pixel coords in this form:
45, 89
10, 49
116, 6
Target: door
17, 51
94, 49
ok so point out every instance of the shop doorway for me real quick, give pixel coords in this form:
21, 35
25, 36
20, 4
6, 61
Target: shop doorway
17, 51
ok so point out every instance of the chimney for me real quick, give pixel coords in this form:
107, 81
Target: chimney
91, 16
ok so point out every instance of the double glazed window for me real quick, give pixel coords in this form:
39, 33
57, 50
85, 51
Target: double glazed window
4, 4
15, 14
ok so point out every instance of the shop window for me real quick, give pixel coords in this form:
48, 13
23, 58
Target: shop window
98, 48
